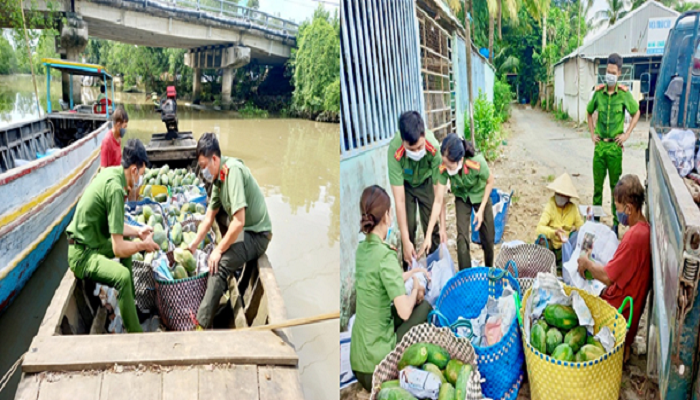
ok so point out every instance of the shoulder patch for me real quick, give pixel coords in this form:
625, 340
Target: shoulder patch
442, 168
471, 164
599, 87
430, 148
399, 153
623, 88
223, 173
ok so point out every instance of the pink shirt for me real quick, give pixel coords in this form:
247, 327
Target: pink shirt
111, 153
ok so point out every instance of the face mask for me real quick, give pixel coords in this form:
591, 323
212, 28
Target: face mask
138, 183
207, 175
415, 155
122, 132
623, 218
560, 200
611, 79
453, 172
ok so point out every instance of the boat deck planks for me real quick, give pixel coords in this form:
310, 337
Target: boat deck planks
180, 383
57, 353
167, 150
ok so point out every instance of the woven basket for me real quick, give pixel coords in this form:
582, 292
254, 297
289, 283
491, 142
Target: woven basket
465, 295
598, 379
145, 287
459, 348
530, 259
178, 301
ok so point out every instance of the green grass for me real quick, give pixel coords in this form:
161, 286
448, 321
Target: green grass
251, 111
550, 178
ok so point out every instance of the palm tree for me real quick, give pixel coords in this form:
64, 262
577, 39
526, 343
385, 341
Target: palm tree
617, 9
510, 8
492, 6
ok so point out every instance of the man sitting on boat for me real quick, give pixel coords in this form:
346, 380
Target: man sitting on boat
236, 193
96, 233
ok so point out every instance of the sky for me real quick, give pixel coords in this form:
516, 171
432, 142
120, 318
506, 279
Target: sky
295, 10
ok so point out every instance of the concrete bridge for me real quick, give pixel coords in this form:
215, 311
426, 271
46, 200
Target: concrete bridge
218, 34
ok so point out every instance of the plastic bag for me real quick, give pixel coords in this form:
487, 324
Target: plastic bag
422, 279
605, 244
492, 330
441, 271
680, 145
421, 384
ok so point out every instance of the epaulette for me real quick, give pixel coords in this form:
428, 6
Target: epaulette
599, 87
623, 88
399, 153
471, 164
223, 173
430, 148
442, 168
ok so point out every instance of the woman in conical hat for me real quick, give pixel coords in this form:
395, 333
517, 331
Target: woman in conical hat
560, 217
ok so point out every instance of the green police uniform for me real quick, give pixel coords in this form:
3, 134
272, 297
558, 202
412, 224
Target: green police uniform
607, 158
98, 215
468, 187
378, 281
417, 178
234, 189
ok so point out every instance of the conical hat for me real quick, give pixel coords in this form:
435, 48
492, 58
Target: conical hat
564, 186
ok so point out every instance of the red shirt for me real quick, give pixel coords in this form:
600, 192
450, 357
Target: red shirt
111, 153
630, 273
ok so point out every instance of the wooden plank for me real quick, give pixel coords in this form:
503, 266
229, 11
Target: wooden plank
181, 384
238, 382
51, 324
275, 303
28, 388
279, 383
58, 353
131, 385
71, 387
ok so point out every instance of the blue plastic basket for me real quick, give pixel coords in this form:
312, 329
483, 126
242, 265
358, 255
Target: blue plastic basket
499, 220
465, 295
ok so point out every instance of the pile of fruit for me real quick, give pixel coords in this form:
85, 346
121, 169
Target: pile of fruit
559, 335
453, 374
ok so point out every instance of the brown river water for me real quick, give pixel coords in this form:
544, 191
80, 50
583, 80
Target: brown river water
295, 162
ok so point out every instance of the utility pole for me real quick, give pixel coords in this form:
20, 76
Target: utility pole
469, 71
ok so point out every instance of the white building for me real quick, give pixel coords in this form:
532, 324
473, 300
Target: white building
639, 38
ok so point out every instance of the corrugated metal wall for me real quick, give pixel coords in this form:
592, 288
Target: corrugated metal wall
483, 77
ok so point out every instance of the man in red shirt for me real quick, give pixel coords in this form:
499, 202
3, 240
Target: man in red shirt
111, 152
629, 272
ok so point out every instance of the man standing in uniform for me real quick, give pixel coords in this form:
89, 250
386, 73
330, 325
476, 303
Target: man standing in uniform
414, 159
96, 233
610, 100
236, 193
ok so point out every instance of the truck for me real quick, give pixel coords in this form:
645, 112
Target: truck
674, 304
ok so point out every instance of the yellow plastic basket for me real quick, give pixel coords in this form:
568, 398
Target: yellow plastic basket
598, 379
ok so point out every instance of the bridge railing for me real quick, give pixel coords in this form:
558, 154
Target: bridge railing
229, 9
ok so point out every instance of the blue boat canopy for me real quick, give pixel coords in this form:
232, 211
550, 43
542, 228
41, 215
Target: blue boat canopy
82, 69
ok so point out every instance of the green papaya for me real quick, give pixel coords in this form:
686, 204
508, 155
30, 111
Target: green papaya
462, 381
542, 322
159, 181
563, 352
554, 339
152, 181
179, 272
390, 384
177, 182
148, 259
195, 182
186, 182
158, 227
164, 245
592, 341
161, 198
452, 370
159, 236
147, 191
435, 370
147, 212
415, 355
447, 392
589, 352
159, 218
185, 208
437, 355
137, 257
141, 220
152, 221
171, 175
395, 393
201, 209
165, 169
562, 317
185, 258
576, 338
176, 234
165, 181
193, 207
538, 338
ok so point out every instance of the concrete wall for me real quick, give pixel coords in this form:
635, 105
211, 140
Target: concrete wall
483, 77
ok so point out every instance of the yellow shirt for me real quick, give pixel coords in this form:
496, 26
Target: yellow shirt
568, 218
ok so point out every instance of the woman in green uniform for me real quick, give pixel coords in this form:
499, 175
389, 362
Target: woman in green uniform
471, 183
379, 281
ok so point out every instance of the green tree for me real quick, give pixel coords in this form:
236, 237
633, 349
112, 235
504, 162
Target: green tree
316, 62
8, 61
616, 10
687, 6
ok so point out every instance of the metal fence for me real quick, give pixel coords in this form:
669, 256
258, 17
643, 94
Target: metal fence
380, 71
482, 80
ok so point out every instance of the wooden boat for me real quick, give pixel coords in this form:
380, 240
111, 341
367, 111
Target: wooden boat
65, 362
38, 194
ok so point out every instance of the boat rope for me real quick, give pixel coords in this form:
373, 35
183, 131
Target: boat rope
31, 64
8, 375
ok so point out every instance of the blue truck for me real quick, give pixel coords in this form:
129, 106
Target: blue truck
674, 312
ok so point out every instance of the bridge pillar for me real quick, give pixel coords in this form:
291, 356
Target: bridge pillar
72, 40
233, 57
196, 85
226, 83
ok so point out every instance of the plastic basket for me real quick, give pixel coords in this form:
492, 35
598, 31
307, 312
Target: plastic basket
530, 259
145, 287
459, 348
465, 295
500, 218
598, 379
178, 301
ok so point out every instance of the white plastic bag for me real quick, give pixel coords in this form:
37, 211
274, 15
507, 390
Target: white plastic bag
441, 271
604, 246
346, 375
422, 279
680, 145
421, 384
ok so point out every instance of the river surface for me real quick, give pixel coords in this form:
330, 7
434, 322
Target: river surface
296, 164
